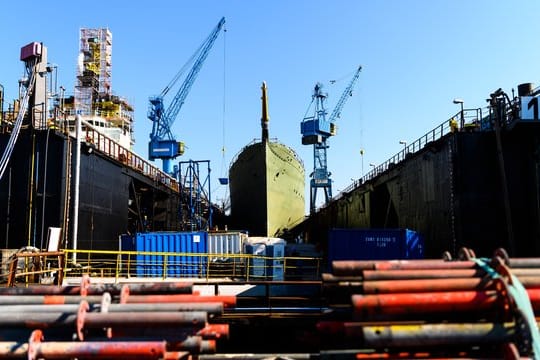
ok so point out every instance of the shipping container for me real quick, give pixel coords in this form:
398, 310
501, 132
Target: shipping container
222, 244
374, 244
189, 258
223, 250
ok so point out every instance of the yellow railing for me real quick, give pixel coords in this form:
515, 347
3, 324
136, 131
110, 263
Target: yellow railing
169, 265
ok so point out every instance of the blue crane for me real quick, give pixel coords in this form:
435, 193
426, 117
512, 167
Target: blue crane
163, 144
316, 129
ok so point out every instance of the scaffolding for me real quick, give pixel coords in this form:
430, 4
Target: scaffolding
94, 68
195, 199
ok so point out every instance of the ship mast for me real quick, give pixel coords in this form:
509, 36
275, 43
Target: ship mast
265, 118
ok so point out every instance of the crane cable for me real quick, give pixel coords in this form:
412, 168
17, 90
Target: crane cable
224, 169
224, 112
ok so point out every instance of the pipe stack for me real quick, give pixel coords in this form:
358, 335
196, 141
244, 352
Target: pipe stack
136, 321
435, 308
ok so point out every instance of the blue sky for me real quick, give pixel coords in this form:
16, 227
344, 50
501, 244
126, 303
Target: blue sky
417, 56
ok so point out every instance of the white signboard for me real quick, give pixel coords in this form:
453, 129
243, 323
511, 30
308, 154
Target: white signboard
529, 108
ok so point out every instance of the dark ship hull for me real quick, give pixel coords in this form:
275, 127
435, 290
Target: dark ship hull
114, 197
474, 186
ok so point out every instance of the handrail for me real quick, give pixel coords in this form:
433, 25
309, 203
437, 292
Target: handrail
128, 264
459, 122
114, 150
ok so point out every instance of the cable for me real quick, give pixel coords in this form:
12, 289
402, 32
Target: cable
18, 123
224, 114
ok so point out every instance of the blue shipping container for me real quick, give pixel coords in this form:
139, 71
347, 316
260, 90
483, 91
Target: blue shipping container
374, 244
188, 259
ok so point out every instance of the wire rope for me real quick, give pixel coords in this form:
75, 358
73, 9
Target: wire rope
18, 123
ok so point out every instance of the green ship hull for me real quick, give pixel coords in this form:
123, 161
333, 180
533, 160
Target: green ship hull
267, 189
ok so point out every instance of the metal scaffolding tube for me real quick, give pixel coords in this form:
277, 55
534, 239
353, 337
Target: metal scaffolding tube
437, 334
193, 319
47, 299
366, 306
209, 308
99, 289
355, 267
227, 300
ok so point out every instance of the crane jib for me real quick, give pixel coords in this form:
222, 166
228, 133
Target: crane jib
162, 144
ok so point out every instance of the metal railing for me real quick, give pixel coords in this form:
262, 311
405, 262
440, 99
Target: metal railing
167, 265
463, 120
116, 151
112, 149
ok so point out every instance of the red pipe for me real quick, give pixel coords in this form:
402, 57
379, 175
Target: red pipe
47, 299
193, 344
420, 274
214, 331
366, 306
176, 355
100, 350
426, 285
194, 319
99, 289
228, 301
400, 355
534, 297
348, 267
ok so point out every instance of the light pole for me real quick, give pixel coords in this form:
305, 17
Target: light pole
362, 158
404, 143
460, 102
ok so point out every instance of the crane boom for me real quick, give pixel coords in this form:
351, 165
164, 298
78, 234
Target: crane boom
162, 143
348, 91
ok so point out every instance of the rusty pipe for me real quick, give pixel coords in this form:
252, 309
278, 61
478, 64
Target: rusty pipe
367, 306
193, 344
94, 350
450, 284
101, 350
408, 335
99, 289
228, 301
427, 285
369, 275
436, 334
356, 267
210, 308
194, 319
46, 299
98, 320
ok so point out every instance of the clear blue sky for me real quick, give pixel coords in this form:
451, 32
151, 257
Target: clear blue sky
417, 56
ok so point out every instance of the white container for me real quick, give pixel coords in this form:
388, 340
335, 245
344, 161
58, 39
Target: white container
221, 244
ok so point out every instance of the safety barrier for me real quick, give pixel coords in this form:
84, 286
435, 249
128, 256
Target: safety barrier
170, 265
